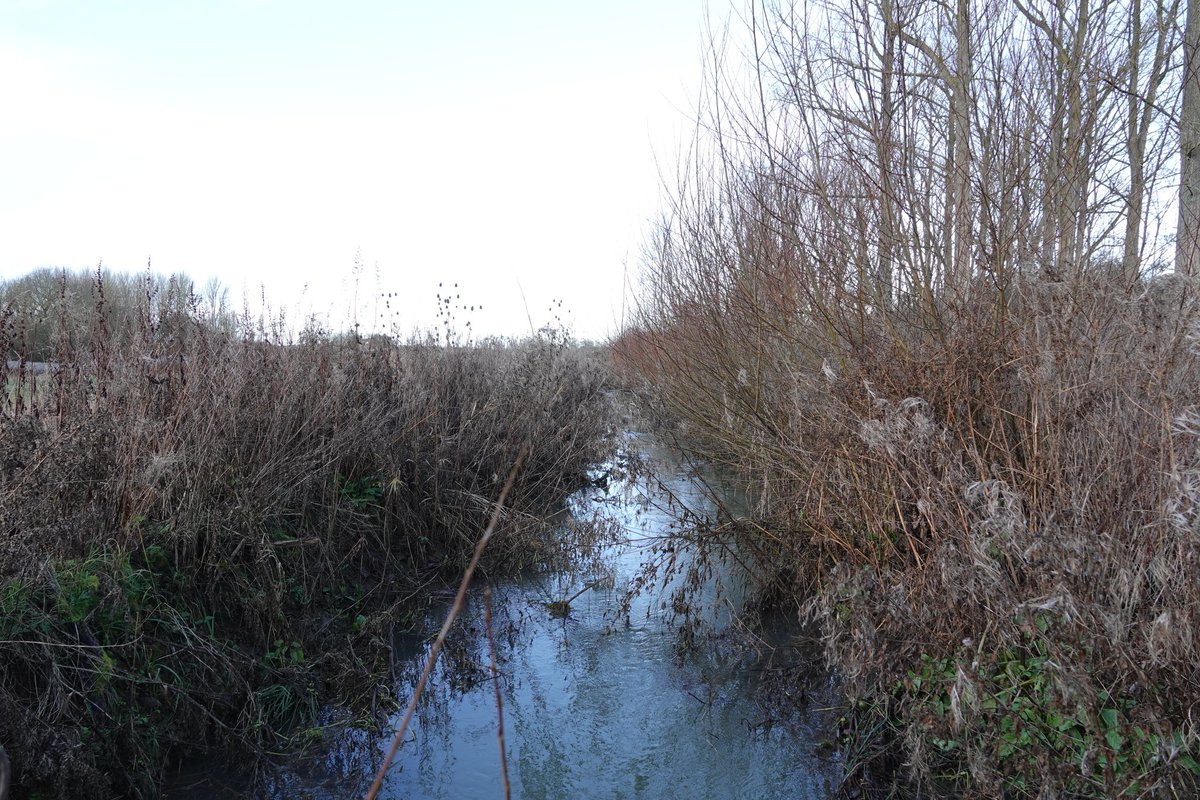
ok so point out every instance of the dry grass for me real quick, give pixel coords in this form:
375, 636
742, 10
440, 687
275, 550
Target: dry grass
990, 510
203, 534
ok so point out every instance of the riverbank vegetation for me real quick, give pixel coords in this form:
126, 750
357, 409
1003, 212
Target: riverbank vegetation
914, 287
210, 527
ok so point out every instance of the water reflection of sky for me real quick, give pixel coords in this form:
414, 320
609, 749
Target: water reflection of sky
595, 707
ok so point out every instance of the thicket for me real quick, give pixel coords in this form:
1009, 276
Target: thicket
206, 532
913, 287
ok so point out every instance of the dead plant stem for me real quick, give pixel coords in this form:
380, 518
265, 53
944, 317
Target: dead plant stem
459, 599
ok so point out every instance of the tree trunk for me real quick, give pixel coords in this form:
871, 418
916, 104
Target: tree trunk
961, 125
884, 149
1187, 235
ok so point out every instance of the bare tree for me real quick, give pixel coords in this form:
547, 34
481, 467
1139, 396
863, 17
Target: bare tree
1142, 89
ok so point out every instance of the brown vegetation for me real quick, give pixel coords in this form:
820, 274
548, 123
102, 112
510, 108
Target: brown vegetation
898, 292
205, 533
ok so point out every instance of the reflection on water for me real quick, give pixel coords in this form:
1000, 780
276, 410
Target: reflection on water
597, 704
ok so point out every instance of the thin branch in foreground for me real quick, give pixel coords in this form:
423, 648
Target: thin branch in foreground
441, 637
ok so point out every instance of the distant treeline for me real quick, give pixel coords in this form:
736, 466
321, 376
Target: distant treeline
51, 310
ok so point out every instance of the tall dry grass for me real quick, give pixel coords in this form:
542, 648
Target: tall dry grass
205, 535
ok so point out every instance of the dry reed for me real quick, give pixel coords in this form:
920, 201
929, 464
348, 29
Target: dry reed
205, 530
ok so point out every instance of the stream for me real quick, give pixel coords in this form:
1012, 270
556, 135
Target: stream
603, 702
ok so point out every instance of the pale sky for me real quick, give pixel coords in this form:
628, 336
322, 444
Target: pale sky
498, 145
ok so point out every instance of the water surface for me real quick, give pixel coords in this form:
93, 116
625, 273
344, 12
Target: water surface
604, 703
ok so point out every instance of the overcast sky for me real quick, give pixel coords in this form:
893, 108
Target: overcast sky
501, 146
